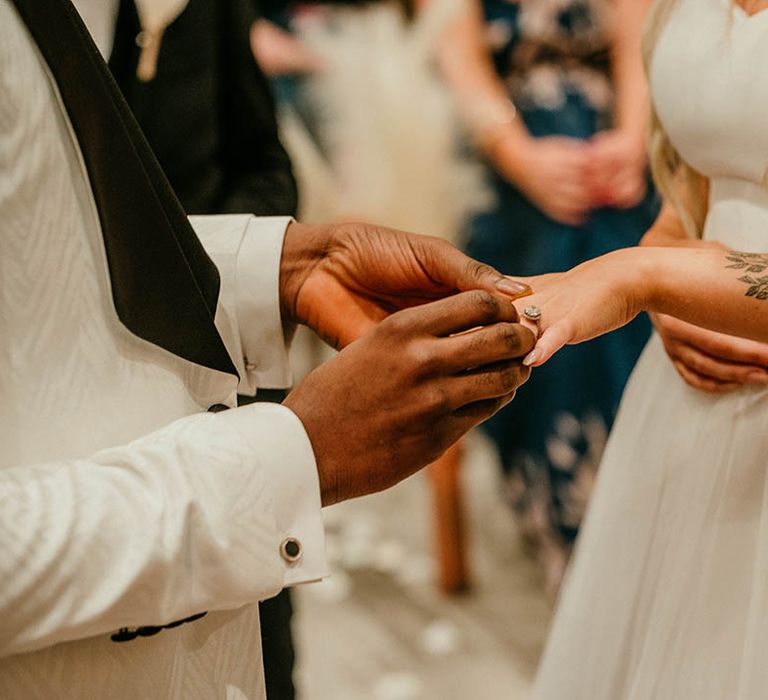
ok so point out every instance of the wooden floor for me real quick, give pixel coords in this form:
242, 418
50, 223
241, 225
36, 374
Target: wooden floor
379, 630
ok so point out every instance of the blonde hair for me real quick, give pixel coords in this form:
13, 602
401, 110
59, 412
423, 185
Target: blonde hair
679, 184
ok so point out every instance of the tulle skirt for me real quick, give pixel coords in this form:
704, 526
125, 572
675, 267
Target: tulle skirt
667, 598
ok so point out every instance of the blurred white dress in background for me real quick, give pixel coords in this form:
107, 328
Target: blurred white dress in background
391, 148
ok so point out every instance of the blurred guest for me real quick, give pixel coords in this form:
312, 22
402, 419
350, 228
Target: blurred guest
208, 113
205, 106
372, 128
558, 108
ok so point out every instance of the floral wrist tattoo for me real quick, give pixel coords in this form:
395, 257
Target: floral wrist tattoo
753, 265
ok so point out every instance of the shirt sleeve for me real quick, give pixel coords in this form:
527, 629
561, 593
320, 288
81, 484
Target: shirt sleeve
184, 520
247, 251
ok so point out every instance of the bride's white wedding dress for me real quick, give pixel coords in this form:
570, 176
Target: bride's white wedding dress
667, 598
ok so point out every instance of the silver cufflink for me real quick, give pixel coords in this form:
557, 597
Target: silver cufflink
290, 550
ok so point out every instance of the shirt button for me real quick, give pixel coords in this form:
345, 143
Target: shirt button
251, 366
290, 550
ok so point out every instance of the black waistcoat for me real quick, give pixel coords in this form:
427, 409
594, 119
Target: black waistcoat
208, 113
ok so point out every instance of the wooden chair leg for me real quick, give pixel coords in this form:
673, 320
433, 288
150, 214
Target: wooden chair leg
450, 534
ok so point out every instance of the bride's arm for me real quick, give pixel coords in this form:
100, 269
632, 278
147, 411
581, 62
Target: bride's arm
706, 360
720, 289
723, 290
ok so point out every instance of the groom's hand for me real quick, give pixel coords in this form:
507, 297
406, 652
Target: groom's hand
341, 280
394, 400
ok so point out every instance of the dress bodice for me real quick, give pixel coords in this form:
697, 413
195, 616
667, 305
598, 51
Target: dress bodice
709, 89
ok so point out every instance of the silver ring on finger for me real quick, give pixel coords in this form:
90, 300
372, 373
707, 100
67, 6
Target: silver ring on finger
533, 314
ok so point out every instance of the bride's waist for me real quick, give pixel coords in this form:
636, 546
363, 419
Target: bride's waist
738, 214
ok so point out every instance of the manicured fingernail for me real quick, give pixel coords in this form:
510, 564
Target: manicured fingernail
515, 289
532, 357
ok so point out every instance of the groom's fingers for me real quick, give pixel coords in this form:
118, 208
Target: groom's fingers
484, 384
479, 411
493, 343
449, 267
458, 313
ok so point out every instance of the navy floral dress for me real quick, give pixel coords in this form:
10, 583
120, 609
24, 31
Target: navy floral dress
554, 57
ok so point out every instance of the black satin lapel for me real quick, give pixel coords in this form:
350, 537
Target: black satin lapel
164, 285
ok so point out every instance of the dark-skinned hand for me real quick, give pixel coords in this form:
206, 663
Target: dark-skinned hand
394, 400
341, 280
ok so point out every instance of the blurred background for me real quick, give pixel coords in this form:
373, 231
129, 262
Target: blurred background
514, 129
381, 627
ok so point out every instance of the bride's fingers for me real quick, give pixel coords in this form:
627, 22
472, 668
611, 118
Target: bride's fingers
530, 325
702, 382
551, 340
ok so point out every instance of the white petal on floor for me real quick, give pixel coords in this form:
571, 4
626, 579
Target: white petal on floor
389, 557
398, 686
440, 638
416, 571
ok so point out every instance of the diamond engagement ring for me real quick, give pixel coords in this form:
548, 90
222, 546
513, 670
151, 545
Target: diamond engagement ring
532, 313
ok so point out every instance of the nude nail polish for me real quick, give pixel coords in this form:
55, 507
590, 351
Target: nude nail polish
532, 357
514, 289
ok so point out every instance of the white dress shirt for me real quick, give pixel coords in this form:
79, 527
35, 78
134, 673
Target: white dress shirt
100, 16
122, 504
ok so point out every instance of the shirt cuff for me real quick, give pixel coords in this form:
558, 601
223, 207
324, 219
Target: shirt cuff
258, 305
277, 435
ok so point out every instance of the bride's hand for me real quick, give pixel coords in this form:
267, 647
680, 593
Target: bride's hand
592, 299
